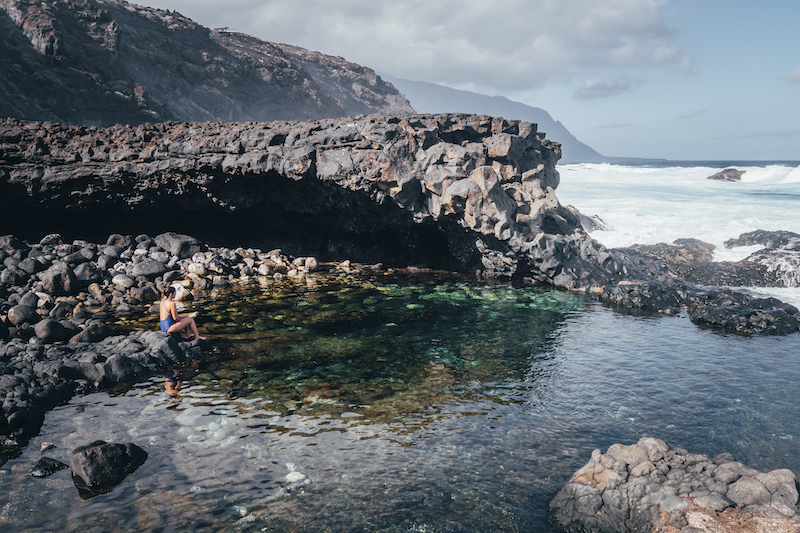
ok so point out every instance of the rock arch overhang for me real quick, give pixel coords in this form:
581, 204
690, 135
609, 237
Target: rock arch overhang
464, 192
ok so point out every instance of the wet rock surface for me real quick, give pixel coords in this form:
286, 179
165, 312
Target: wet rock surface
683, 277
652, 486
99, 466
35, 378
47, 466
729, 174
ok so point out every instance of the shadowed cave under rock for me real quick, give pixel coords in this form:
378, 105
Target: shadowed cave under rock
303, 218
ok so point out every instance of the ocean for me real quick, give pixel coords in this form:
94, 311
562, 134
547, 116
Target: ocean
664, 201
434, 402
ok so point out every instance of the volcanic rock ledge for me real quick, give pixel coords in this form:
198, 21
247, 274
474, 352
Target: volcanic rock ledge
652, 486
464, 192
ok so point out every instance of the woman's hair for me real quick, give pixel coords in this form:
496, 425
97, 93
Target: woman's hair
167, 292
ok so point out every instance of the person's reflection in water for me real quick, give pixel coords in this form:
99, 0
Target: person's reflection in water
172, 384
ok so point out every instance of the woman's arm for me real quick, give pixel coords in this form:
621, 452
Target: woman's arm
173, 310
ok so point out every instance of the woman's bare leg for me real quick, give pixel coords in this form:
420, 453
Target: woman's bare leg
186, 322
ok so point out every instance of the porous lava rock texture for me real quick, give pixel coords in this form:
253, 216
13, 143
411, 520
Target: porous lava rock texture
464, 192
652, 486
102, 62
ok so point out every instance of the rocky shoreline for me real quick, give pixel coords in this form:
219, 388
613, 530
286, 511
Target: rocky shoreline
56, 299
652, 486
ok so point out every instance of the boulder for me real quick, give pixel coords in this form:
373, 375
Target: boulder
59, 280
20, 314
652, 486
98, 466
149, 268
88, 273
178, 245
95, 331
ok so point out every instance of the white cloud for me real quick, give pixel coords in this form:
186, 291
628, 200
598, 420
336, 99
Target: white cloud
500, 46
607, 87
691, 114
794, 76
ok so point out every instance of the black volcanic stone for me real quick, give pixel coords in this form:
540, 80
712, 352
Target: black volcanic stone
48, 330
46, 466
99, 466
182, 246
149, 268
59, 280
20, 314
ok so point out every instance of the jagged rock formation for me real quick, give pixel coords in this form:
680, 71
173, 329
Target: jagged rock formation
729, 174
652, 486
463, 192
102, 62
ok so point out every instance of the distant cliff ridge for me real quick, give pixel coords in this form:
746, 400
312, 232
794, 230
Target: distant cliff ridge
102, 62
434, 98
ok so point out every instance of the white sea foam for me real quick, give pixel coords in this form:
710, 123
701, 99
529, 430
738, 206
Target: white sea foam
648, 205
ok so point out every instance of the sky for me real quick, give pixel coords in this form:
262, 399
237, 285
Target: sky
673, 79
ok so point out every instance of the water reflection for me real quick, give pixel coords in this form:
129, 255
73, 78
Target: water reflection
396, 405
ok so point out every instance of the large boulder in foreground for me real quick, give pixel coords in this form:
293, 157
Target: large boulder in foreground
652, 486
98, 466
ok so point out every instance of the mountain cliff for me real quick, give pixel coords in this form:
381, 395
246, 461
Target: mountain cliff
434, 98
102, 62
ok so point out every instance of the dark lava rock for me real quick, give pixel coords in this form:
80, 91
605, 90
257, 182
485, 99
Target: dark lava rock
22, 313
182, 246
46, 466
49, 330
749, 319
93, 332
97, 467
680, 252
732, 274
59, 280
769, 239
149, 268
729, 174
588, 222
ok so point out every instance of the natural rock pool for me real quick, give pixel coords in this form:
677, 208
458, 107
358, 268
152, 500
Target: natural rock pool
395, 402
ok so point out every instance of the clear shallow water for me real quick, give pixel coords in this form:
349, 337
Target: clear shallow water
652, 204
408, 404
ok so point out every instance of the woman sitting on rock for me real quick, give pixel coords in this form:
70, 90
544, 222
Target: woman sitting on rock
171, 322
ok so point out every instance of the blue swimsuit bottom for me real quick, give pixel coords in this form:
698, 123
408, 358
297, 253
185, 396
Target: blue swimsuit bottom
166, 323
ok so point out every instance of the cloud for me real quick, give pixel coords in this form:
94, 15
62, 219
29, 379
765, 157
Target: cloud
686, 65
493, 47
605, 87
794, 76
691, 114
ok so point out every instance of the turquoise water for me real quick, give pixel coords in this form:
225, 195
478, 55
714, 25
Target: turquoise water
407, 403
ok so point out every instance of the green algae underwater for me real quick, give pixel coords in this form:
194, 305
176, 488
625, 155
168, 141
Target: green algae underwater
405, 402
383, 344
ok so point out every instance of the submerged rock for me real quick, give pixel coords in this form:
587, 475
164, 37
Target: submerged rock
651, 485
99, 466
46, 466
